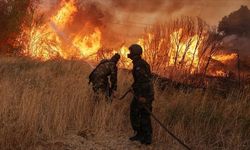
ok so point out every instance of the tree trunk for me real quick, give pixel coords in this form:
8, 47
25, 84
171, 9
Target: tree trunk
206, 67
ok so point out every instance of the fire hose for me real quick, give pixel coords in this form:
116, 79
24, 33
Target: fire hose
158, 121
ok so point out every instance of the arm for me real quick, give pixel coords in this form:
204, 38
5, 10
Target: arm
113, 78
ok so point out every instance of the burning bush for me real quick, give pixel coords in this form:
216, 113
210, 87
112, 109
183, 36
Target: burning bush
13, 16
53, 38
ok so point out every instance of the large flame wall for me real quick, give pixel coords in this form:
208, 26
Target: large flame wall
54, 38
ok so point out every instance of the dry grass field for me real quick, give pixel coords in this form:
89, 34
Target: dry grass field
49, 105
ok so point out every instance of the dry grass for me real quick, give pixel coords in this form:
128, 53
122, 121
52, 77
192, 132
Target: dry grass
43, 100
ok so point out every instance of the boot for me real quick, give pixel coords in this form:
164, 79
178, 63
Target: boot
137, 137
147, 140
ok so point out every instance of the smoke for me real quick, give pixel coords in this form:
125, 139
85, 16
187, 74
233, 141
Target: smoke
93, 14
240, 45
149, 6
130, 17
124, 21
138, 6
238, 22
164, 9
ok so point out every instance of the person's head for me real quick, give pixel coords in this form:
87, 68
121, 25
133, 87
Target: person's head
135, 51
115, 58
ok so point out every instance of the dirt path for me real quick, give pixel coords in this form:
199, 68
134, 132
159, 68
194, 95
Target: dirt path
108, 141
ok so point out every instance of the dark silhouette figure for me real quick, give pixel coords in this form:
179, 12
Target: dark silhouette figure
104, 77
143, 97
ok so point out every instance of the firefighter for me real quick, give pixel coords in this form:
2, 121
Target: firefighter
104, 77
143, 97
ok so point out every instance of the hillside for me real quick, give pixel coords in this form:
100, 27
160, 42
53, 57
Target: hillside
49, 105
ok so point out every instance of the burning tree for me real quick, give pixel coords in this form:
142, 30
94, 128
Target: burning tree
53, 37
183, 46
212, 44
14, 14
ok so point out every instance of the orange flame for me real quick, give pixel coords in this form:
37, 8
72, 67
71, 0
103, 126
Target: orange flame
180, 48
65, 14
49, 40
224, 58
88, 45
219, 73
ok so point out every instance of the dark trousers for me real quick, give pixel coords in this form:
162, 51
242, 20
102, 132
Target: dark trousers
140, 118
104, 90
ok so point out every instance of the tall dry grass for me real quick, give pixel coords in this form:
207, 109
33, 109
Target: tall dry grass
43, 100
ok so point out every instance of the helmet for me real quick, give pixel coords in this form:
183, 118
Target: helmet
135, 50
115, 58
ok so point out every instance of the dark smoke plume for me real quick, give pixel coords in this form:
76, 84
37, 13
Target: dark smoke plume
236, 28
237, 22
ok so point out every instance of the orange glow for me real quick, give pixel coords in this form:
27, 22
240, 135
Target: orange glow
225, 57
219, 73
127, 63
43, 43
180, 48
50, 41
64, 15
53, 39
88, 45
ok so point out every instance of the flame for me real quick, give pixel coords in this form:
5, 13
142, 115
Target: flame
191, 52
224, 58
50, 40
43, 44
65, 14
126, 63
180, 49
88, 45
219, 73
53, 39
